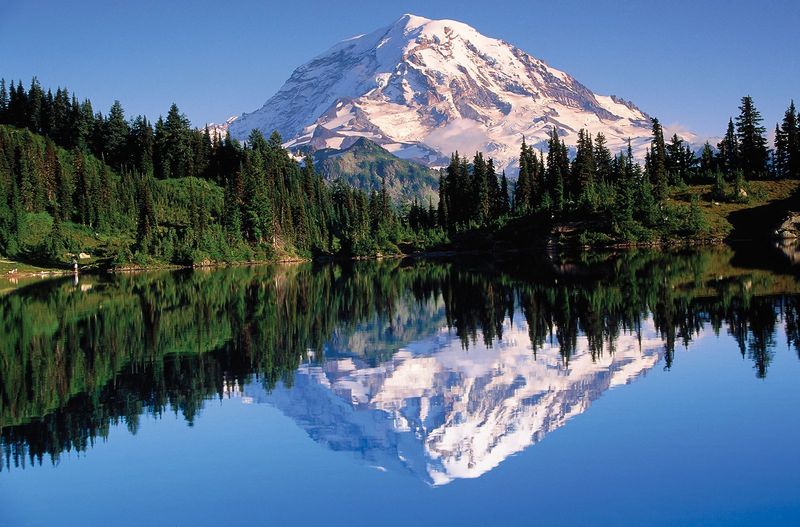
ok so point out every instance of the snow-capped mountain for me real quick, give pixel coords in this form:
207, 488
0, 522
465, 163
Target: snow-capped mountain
425, 88
445, 413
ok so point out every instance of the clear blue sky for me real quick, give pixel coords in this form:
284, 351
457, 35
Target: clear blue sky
682, 61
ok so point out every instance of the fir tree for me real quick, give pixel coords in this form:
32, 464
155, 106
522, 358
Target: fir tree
657, 166
708, 162
729, 151
442, 212
583, 171
116, 132
482, 197
494, 190
557, 171
146, 224
787, 144
3, 102
34, 106
503, 202
753, 153
602, 159
54, 245
523, 193
232, 216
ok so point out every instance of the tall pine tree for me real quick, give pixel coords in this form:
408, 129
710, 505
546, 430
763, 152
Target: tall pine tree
753, 153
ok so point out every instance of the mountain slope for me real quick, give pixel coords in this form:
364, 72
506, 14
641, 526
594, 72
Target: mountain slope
424, 88
368, 166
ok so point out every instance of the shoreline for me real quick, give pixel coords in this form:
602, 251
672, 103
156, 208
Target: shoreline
548, 245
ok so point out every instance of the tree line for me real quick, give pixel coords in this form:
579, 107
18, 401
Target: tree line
165, 191
620, 196
73, 179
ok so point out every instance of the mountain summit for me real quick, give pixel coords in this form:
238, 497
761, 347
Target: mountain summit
424, 88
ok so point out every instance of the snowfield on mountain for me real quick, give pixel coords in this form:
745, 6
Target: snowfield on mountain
424, 88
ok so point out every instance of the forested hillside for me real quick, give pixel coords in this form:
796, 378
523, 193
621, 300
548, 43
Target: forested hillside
75, 180
369, 166
126, 190
606, 197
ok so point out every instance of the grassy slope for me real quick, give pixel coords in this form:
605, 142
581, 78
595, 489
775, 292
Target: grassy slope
767, 203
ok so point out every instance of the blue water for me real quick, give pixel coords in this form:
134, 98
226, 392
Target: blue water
705, 442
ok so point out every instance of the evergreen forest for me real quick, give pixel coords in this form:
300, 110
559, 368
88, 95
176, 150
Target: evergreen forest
125, 190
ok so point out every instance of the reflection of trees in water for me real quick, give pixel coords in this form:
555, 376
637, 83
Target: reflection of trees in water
75, 362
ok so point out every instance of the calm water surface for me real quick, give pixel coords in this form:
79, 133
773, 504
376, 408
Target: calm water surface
628, 389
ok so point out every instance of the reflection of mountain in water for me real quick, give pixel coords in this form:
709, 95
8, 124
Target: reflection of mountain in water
75, 361
444, 412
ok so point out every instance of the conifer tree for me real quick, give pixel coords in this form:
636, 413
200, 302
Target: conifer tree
557, 171
504, 202
115, 136
78, 135
622, 213
787, 144
140, 147
481, 193
3, 101
657, 166
583, 171
523, 193
753, 153
444, 197
83, 188
494, 190
48, 177
708, 162
34, 106
602, 159
25, 177
232, 219
54, 245
63, 118
18, 106
63, 207
147, 224
729, 151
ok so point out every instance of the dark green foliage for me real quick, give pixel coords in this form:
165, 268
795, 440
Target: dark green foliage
470, 194
787, 145
368, 166
728, 157
167, 191
107, 178
753, 153
503, 203
656, 163
115, 136
681, 162
556, 198
708, 163
524, 190
583, 173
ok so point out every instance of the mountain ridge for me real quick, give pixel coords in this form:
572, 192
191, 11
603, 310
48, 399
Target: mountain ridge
368, 166
425, 88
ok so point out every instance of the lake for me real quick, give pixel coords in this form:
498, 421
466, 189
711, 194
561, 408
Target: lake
641, 387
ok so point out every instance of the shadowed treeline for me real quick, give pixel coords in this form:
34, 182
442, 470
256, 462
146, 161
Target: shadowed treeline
77, 359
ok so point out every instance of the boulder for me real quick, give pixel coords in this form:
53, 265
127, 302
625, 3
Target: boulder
790, 227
